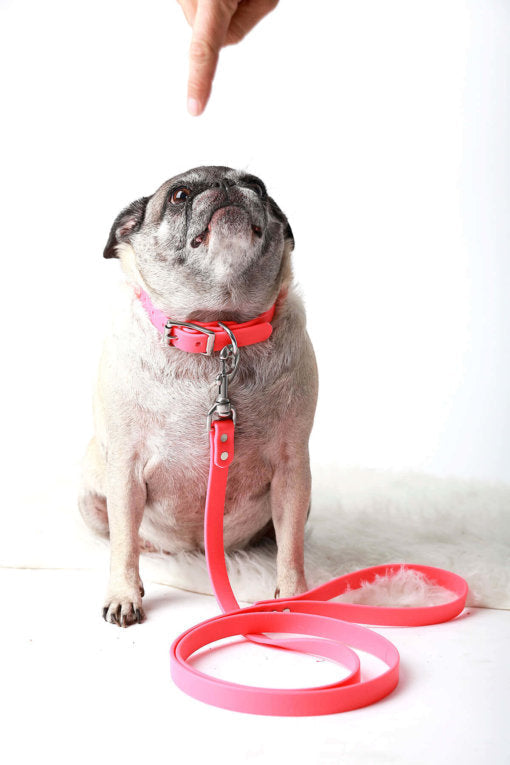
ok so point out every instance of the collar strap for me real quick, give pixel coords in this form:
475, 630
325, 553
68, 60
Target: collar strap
206, 337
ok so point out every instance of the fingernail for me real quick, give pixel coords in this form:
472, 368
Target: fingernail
193, 106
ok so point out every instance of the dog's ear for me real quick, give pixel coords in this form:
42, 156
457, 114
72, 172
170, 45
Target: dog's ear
287, 231
289, 235
126, 223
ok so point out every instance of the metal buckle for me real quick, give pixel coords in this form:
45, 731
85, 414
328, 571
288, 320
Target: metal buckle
234, 352
210, 334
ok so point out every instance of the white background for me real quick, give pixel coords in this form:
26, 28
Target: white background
381, 128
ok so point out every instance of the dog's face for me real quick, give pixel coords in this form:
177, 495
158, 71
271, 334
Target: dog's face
210, 240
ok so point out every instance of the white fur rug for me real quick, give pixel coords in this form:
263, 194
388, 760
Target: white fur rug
359, 518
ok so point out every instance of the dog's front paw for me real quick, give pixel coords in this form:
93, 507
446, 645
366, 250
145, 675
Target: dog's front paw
291, 584
123, 606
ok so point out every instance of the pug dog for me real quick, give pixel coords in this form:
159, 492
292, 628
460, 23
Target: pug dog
209, 245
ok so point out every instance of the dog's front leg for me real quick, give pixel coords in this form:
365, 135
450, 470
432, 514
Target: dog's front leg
125, 500
290, 500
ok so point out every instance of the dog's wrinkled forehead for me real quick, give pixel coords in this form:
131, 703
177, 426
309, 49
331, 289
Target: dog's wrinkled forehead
197, 179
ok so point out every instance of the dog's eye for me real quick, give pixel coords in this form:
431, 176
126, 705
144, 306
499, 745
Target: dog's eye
179, 195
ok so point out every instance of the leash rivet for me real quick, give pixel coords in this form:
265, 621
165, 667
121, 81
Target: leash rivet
224, 455
223, 437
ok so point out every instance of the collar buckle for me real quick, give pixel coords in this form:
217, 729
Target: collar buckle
211, 336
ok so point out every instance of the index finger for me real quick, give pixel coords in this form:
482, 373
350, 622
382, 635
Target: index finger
209, 31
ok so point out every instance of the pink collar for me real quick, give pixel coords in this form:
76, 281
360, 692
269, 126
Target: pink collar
206, 337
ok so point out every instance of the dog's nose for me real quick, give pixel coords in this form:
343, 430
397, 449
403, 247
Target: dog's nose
224, 184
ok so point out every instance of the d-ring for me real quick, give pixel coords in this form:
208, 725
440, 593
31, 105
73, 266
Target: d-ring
235, 350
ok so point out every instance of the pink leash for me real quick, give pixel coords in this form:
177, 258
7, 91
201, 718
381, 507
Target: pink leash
331, 633
308, 614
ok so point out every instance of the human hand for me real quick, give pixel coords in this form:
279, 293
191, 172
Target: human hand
216, 23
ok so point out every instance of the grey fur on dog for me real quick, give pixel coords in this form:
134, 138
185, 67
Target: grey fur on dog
208, 244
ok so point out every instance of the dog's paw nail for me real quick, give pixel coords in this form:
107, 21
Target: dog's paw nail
123, 614
290, 586
142, 591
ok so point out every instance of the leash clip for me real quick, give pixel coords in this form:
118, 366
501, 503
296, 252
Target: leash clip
229, 361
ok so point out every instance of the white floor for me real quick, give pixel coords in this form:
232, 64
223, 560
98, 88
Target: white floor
59, 656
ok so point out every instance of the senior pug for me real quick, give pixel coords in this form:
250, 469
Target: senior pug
209, 245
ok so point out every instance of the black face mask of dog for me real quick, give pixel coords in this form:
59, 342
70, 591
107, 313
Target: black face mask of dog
208, 243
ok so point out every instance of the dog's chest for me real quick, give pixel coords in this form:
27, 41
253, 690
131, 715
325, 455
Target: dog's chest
176, 463
176, 441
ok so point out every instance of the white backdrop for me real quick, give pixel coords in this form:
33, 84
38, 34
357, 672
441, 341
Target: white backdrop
381, 128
